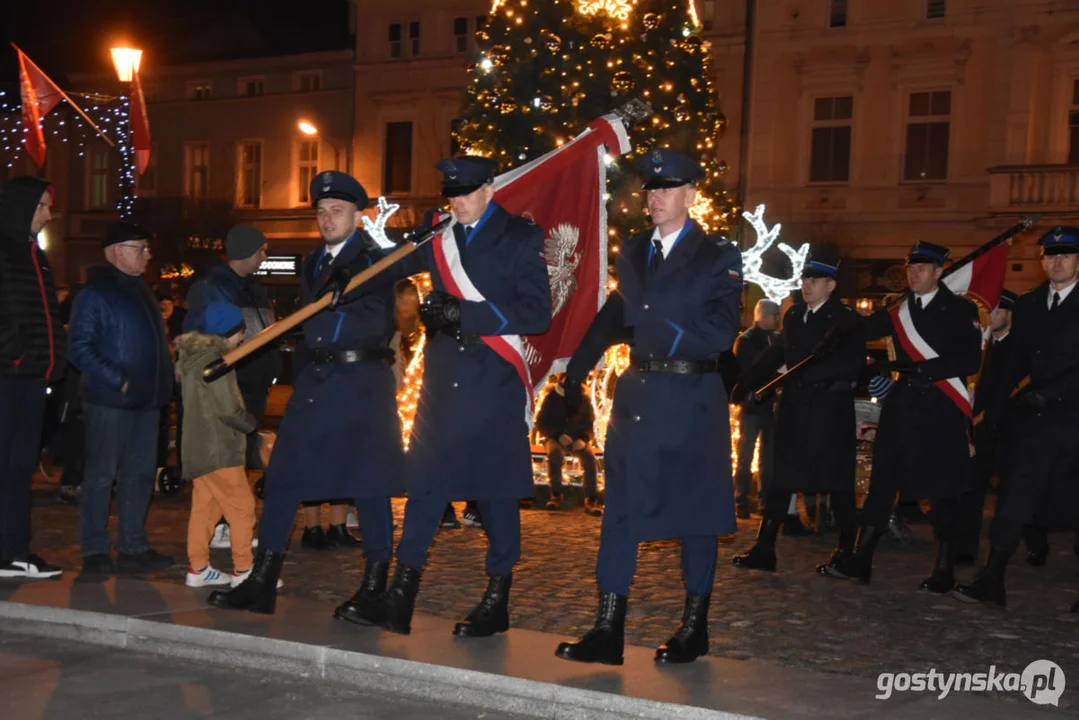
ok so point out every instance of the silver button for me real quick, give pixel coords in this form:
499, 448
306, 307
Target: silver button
636, 418
318, 339
461, 348
456, 385
645, 306
310, 400
651, 355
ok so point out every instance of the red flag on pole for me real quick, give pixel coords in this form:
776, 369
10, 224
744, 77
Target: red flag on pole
982, 279
140, 125
564, 193
39, 96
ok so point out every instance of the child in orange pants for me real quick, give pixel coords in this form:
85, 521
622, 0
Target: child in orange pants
214, 446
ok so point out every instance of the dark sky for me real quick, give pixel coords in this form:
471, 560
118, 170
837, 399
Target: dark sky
74, 35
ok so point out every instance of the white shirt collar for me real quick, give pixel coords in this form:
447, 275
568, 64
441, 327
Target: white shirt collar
334, 250
667, 241
1063, 293
928, 297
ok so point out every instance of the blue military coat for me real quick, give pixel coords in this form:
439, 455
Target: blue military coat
668, 447
341, 436
469, 437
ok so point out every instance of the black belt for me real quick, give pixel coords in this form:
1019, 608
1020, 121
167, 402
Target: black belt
914, 381
351, 356
470, 340
679, 367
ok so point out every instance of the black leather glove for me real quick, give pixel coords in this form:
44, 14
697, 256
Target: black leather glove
573, 397
903, 367
442, 311
335, 285
1031, 400
828, 343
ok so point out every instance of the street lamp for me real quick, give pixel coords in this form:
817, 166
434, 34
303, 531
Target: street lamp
126, 61
308, 129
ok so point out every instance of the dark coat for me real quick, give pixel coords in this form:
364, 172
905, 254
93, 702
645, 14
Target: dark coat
220, 283
118, 336
815, 424
341, 435
1040, 481
470, 435
668, 447
554, 420
33, 342
923, 436
748, 349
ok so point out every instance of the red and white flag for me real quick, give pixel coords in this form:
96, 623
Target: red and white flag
981, 279
140, 126
39, 96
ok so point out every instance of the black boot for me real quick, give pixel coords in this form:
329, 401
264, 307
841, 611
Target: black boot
988, 585
690, 641
399, 601
762, 556
860, 565
605, 641
339, 537
364, 607
793, 527
844, 551
258, 593
492, 615
314, 538
942, 580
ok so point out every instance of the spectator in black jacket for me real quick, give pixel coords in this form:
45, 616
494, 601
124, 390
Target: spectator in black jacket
568, 433
118, 341
32, 351
756, 420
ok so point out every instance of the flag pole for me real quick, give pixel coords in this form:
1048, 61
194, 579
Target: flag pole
64, 95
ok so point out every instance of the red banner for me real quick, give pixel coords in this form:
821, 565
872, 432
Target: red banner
140, 126
982, 279
39, 96
564, 193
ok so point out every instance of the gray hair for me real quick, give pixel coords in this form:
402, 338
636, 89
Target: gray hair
765, 308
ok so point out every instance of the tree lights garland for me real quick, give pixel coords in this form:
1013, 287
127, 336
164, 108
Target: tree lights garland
777, 289
109, 113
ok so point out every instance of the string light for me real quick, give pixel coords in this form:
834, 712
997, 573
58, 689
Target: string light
777, 289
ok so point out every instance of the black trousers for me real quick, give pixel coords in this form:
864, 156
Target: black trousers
22, 411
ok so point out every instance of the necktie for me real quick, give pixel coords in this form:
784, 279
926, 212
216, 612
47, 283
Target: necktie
918, 303
1056, 302
324, 264
808, 317
468, 233
657, 258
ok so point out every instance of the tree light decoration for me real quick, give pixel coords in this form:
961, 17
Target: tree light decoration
377, 228
777, 289
617, 9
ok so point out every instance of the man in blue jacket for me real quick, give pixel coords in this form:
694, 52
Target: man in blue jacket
118, 342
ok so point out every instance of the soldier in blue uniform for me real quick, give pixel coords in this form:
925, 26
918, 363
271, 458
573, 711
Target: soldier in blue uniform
470, 436
668, 445
1038, 483
340, 436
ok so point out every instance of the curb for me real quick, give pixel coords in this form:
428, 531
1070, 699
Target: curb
382, 675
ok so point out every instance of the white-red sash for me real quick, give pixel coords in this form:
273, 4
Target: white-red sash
919, 350
509, 347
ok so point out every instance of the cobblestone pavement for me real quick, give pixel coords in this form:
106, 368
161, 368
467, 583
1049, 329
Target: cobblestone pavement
793, 617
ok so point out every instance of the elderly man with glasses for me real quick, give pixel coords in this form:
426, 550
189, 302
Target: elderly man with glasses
118, 342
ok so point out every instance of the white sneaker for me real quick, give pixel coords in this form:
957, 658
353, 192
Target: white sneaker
206, 577
31, 567
238, 578
221, 539
352, 519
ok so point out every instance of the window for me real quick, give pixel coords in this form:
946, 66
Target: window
251, 87
928, 128
830, 157
308, 81
460, 34
481, 23
837, 16
99, 179
196, 170
1073, 126
250, 174
708, 17
397, 165
935, 9
200, 90
395, 40
414, 37
307, 158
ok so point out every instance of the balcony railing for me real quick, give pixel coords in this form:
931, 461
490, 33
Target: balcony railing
1034, 188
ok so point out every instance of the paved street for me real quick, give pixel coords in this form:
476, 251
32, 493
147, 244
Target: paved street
42, 678
793, 617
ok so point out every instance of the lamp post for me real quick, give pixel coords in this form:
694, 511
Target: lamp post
308, 129
127, 62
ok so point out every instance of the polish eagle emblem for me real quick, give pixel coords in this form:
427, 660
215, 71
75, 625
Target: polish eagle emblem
560, 254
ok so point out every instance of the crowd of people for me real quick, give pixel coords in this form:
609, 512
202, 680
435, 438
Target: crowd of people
131, 353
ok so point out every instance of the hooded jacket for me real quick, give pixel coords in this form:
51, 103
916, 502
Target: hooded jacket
215, 420
32, 339
118, 337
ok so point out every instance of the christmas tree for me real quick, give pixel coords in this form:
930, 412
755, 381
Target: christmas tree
547, 68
